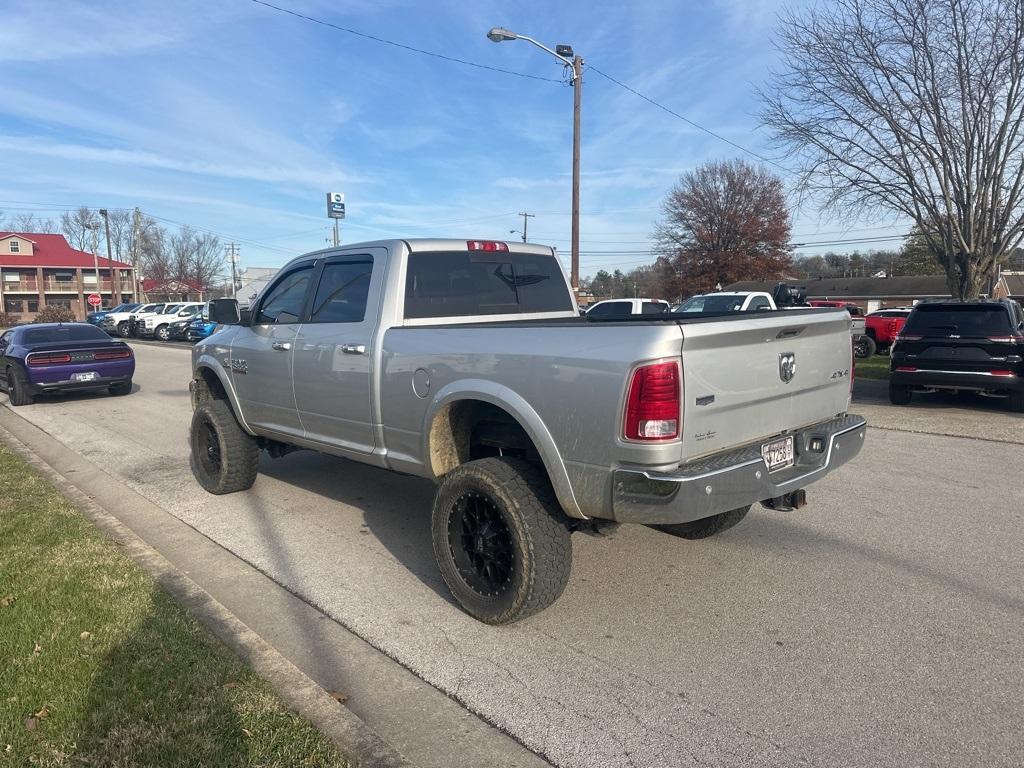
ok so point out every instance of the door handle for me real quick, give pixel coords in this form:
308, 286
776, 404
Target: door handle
282, 346
353, 349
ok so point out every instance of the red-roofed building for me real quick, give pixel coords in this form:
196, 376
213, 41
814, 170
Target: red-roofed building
39, 269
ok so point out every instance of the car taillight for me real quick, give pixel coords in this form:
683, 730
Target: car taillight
486, 245
1005, 339
652, 407
49, 359
117, 354
906, 369
1001, 372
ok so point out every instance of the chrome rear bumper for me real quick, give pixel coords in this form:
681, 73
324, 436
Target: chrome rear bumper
735, 478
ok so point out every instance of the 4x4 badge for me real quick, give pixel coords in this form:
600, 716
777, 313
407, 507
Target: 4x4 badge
787, 366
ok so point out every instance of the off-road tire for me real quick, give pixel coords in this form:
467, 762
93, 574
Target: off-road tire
163, 333
864, 347
225, 458
536, 533
899, 394
123, 329
1017, 402
17, 387
121, 388
707, 526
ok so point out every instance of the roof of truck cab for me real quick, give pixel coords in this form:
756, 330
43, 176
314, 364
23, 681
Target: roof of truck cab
425, 244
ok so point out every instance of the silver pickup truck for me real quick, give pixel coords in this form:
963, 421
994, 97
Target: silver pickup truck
467, 362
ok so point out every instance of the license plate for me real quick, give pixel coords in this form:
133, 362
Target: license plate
778, 454
87, 376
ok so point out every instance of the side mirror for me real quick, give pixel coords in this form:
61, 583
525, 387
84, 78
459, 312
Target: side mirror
225, 312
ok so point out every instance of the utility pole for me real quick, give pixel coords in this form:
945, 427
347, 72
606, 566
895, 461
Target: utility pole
114, 288
136, 253
233, 258
337, 238
525, 217
577, 99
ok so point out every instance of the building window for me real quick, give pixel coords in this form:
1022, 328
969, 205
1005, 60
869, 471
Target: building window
12, 277
12, 305
33, 305
15, 246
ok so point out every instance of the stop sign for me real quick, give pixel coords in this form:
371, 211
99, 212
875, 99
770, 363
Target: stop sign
95, 300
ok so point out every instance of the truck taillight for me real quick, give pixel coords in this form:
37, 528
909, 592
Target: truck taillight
652, 407
48, 359
486, 245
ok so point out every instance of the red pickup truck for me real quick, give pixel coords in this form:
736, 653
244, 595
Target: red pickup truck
884, 325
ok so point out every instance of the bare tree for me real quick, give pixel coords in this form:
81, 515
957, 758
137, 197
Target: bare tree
207, 266
29, 222
77, 227
913, 106
723, 222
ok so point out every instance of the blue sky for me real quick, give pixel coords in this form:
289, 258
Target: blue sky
236, 118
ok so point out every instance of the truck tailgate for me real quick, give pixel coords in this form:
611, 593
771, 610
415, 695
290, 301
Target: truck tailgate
734, 380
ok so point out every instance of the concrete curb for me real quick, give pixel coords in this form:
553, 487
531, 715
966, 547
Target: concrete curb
345, 730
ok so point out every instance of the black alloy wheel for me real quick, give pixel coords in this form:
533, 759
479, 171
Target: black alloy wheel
501, 539
209, 449
481, 545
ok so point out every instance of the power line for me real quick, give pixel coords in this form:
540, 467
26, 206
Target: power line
687, 120
385, 41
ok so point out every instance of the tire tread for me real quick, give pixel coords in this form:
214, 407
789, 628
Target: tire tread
240, 453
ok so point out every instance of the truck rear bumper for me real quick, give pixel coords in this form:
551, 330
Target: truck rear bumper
735, 478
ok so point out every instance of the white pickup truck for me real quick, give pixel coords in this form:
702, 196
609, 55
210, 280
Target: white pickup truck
794, 298
466, 362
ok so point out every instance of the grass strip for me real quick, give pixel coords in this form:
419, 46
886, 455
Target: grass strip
100, 667
874, 367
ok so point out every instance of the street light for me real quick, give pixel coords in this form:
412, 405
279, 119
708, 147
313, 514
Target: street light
564, 54
92, 227
110, 260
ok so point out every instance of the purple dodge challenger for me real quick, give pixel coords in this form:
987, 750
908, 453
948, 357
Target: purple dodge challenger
62, 357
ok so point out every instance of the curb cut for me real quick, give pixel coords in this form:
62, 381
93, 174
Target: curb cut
356, 740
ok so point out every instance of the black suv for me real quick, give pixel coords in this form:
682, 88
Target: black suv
960, 345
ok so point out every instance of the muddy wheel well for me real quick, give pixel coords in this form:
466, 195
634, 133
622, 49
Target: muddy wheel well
471, 429
208, 386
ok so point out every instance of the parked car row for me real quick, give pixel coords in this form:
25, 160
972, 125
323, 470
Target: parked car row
164, 321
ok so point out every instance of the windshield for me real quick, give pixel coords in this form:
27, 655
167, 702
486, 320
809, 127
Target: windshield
171, 308
70, 332
967, 320
713, 303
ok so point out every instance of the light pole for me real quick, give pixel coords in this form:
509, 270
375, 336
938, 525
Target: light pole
110, 261
564, 54
95, 257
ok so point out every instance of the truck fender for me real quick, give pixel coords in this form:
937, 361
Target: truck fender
520, 410
208, 362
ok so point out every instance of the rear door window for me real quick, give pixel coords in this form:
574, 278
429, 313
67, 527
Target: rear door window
967, 321
342, 292
455, 284
653, 308
609, 308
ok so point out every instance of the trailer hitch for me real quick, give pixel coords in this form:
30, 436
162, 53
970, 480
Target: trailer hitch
788, 502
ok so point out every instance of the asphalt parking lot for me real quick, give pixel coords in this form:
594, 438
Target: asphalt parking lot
879, 626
